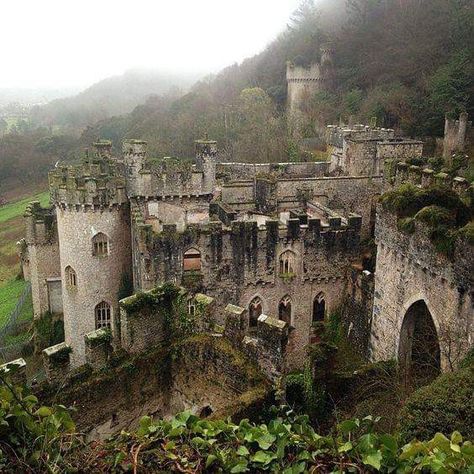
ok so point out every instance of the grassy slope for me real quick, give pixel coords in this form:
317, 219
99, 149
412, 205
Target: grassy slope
12, 230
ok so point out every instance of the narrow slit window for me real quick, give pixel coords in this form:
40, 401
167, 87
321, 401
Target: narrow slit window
319, 308
255, 310
71, 277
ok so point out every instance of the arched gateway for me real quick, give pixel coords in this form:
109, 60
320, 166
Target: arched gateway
418, 349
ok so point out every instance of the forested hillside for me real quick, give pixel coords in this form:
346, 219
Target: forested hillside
405, 62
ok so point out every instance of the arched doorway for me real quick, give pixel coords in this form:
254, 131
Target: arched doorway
418, 349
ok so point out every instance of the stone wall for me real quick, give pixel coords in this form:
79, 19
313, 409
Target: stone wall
169, 177
242, 262
409, 270
203, 374
42, 255
246, 171
303, 83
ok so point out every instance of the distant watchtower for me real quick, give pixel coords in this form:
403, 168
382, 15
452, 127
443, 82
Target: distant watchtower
304, 81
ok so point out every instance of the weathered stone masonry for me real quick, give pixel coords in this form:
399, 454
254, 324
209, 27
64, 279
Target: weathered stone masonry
280, 240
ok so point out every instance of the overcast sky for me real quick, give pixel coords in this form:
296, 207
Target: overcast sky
73, 43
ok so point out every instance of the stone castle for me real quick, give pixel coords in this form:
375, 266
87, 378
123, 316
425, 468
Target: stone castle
272, 248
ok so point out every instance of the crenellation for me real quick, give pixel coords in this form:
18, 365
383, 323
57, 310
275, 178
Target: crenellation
279, 239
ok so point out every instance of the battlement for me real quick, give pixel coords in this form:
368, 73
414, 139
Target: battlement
329, 227
97, 182
399, 172
303, 74
335, 134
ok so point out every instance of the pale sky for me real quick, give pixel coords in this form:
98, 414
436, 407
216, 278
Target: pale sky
74, 43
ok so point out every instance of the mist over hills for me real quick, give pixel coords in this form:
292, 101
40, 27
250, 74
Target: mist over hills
389, 65
114, 95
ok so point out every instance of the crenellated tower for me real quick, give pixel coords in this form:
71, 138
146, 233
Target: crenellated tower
93, 223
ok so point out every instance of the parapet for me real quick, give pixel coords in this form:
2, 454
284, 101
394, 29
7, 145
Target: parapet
40, 224
98, 347
401, 172
56, 361
335, 134
16, 370
97, 182
303, 74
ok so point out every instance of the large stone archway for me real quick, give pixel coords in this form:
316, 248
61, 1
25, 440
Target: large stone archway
419, 349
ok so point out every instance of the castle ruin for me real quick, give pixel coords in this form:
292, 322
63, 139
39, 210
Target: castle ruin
278, 241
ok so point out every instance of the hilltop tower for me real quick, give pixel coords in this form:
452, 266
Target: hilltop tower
304, 81
93, 222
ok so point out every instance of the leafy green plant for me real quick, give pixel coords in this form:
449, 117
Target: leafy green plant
32, 435
445, 405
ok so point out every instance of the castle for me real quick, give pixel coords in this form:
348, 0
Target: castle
280, 244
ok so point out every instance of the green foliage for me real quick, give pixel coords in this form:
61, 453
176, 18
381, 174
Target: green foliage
440, 208
287, 444
48, 331
44, 439
406, 225
30, 434
468, 232
435, 216
447, 404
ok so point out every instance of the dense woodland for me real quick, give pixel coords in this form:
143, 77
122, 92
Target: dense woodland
406, 62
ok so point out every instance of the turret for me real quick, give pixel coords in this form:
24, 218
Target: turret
206, 157
103, 149
134, 154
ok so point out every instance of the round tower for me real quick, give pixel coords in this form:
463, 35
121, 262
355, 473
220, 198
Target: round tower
93, 221
134, 154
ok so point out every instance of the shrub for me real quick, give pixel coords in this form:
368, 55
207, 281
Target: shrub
434, 216
407, 225
467, 232
447, 404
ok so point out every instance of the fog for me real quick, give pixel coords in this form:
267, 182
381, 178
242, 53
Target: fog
71, 44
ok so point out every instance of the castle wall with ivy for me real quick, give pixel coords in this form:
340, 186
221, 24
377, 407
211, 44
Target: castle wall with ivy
410, 269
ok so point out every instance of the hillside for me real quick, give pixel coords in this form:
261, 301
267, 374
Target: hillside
112, 96
389, 65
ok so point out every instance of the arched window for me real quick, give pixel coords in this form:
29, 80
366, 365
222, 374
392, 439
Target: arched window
100, 245
192, 260
319, 308
103, 317
284, 309
255, 310
287, 262
71, 277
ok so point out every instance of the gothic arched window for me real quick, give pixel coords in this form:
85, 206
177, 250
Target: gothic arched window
192, 260
103, 315
100, 245
71, 277
284, 309
319, 308
255, 310
287, 262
